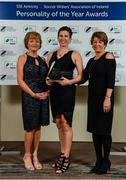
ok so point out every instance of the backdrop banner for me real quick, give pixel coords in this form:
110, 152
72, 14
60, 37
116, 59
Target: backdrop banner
84, 18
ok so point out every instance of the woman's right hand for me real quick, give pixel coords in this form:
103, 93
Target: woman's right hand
49, 82
41, 96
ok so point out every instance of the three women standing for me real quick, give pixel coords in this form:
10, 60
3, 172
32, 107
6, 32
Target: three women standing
100, 71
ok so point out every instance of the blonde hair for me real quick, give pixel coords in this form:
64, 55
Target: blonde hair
32, 35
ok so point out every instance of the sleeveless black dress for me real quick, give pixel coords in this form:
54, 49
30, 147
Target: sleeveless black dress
35, 112
63, 97
101, 75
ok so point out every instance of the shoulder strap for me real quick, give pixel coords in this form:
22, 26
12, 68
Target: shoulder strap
105, 54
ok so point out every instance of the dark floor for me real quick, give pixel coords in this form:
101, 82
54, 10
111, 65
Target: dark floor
82, 160
82, 152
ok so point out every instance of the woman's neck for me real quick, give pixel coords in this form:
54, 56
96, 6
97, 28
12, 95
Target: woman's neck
99, 54
32, 53
63, 49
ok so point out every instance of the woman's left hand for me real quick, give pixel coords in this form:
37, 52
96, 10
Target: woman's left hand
64, 81
43, 95
107, 105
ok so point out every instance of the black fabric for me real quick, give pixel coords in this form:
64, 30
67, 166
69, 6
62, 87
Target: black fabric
102, 142
97, 140
63, 97
107, 142
35, 112
101, 75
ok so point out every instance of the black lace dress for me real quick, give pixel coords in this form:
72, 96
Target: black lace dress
35, 112
63, 97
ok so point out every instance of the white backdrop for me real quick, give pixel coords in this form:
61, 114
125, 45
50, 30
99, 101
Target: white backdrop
12, 32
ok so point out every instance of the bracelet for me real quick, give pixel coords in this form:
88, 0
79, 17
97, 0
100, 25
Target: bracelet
108, 96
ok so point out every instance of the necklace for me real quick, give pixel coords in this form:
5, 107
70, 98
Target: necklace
61, 54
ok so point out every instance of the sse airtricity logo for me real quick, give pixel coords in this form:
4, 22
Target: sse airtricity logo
45, 53
6, 28
88, 53
115, 29
10, 40
3, 77
75, 29
29, 28
46, 29
3, 28
116, 53
115, 41
89, 29
3, 53
10, 65
52, 41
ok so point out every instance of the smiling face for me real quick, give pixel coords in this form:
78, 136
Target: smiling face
99, 41
64, 38
33, 40
98, 45
33, 44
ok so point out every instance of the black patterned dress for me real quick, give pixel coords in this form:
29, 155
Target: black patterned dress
63, 97
35, 112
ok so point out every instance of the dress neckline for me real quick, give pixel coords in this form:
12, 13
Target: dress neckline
99, 57
62, 56
32, 56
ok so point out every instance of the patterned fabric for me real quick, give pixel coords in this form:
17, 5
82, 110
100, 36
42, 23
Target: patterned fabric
35, 112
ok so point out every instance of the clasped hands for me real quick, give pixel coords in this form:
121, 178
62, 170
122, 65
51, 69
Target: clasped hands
41, 96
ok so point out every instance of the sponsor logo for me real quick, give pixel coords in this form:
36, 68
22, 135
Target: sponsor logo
7, 53
111, 41
115, 29
45, 29
52, 41
10, 65
3, 53
48, 29
6, 77
116, 53
7, 29
29, 28
2, 28
45, 53
89, 29
88, 53
3, 77
10, 40
75, 29
115, 41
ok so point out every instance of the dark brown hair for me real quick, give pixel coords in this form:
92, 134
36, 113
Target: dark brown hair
65, 28
32, 35
100, 35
